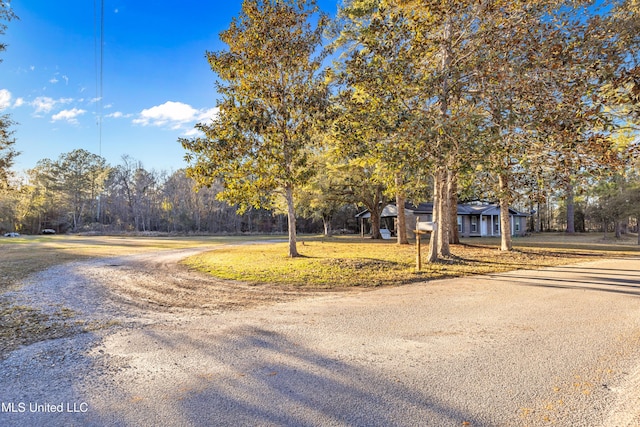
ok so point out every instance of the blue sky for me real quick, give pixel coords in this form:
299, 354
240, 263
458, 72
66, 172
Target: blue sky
156, 82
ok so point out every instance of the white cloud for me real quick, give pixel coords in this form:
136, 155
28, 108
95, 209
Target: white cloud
55, 80
192, 132
117, 115
19, 103
168, 113
44, 104
208, 115
68, 115
5, 99
173, 115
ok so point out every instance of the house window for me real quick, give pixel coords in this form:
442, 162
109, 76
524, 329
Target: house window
474, 224
460, 224
517, 224
496, 224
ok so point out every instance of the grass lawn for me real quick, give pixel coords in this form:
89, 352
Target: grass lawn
351, 261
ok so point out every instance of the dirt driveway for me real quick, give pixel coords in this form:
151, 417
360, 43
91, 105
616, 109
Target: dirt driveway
557, 346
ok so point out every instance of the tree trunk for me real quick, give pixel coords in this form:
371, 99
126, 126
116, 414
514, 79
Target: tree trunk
454, 235
442, 206
571, 208
443, 216
291, 216
401, 231
505, 221
327, 226
375, 224
433, 241
376, 210
402, 221
433, 247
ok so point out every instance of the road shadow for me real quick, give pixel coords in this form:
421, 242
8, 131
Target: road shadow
579, 268
40, 383
624, 281
255, 376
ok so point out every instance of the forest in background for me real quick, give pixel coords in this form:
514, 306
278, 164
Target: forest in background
80, 192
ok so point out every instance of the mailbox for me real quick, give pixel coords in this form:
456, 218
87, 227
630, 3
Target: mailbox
424, 226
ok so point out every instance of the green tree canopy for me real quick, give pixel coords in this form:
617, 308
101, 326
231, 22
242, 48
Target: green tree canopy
273, 98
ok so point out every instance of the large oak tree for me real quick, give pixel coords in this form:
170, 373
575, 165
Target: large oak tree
273, 97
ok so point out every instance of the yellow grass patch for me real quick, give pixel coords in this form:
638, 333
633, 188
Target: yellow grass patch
347, 262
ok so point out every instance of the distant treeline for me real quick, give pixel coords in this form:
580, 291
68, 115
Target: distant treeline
80, 192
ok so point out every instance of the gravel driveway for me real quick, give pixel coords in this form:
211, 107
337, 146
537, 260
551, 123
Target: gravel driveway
557, 346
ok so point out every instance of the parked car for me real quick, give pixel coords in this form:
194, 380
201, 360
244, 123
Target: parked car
12, 234
48, 231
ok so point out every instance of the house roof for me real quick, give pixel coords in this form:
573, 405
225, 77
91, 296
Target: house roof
388, 211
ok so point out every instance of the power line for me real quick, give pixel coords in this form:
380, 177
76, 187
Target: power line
98, 35
99, 70
101, 67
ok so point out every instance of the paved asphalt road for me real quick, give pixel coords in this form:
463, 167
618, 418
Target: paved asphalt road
557, 346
